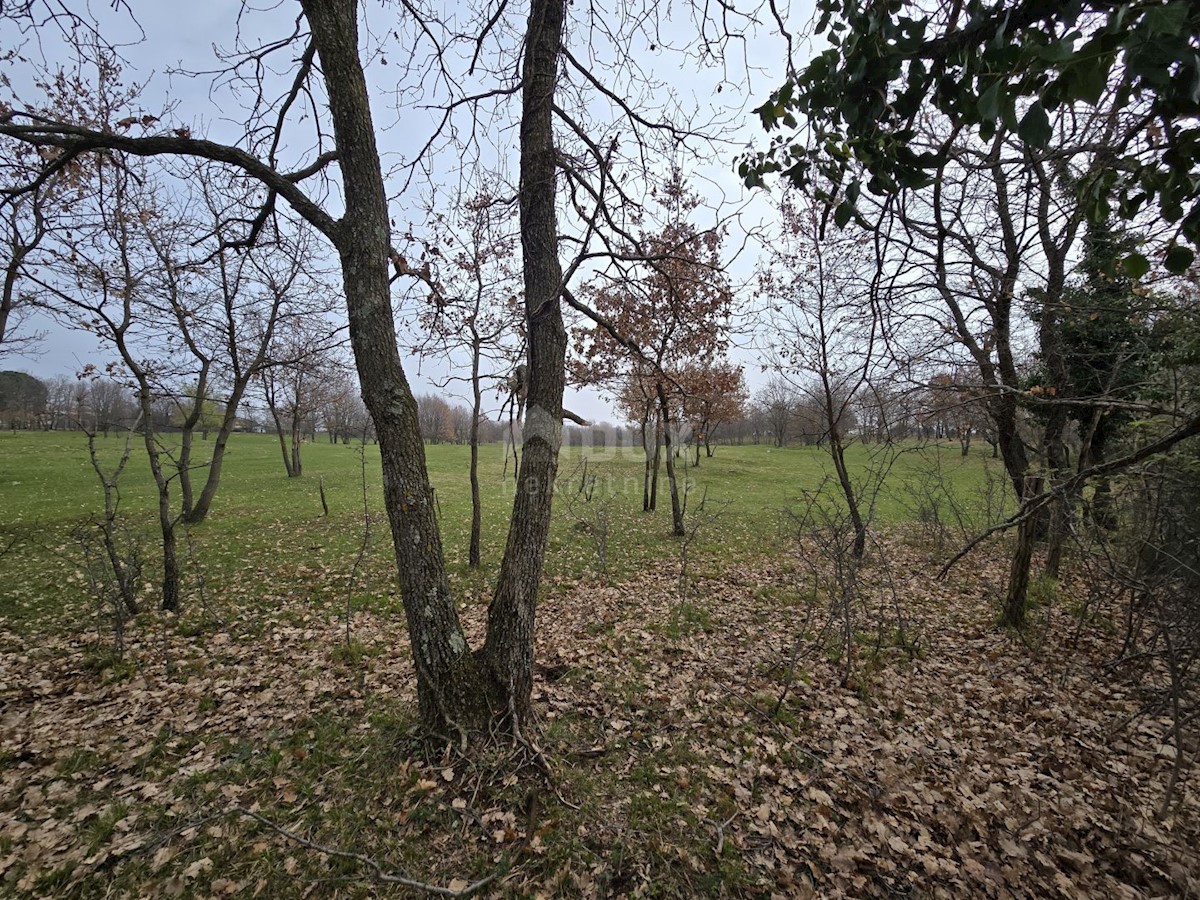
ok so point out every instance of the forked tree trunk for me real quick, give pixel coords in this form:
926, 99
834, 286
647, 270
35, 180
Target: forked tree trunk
187, 432
166, 522
456, 690
183, 468
213, 481
204, 501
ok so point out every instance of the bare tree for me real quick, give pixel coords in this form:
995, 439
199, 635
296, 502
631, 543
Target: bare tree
825, 334
109, 403
777, 401
62, 401
24, 224
995, 227
246, 299
343, 414
294, 377
714, 394
476, 309
115, 271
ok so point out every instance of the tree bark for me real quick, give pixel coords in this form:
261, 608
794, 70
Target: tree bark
456, 690
646, 507
508, 649
837, 451
166, 522
283, 447
476, 411
203, 502
676, 507
656, 461
451, 691
1056, 461
1013, 615
297, 437
187, 430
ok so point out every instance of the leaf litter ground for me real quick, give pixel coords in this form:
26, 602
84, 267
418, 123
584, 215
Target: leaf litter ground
978, 765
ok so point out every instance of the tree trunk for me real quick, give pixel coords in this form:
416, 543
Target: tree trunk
297, 438
839, 464
203, 503
1018, 573
508, 649
283, 447
187, 432
166, 523
1056, 459
1103, 510
676, 507
476, 411
183, 466
646, 507
656, 462
452, 691
1012, 448
1053, 447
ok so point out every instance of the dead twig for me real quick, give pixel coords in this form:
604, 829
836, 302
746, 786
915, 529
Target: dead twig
720, 828
377, 871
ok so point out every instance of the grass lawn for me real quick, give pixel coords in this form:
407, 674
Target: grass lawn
265, 534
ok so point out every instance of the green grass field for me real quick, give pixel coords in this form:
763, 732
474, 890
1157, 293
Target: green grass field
266, 540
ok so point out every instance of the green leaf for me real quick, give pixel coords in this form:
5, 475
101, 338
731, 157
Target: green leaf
1057, 51
1168, 19
843, 214
989, 102
1179, 258
1135, 265
1089, 77
1035, 126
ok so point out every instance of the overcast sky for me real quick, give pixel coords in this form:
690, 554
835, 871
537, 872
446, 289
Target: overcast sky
173, 37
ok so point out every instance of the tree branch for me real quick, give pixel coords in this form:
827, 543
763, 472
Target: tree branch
74, 140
